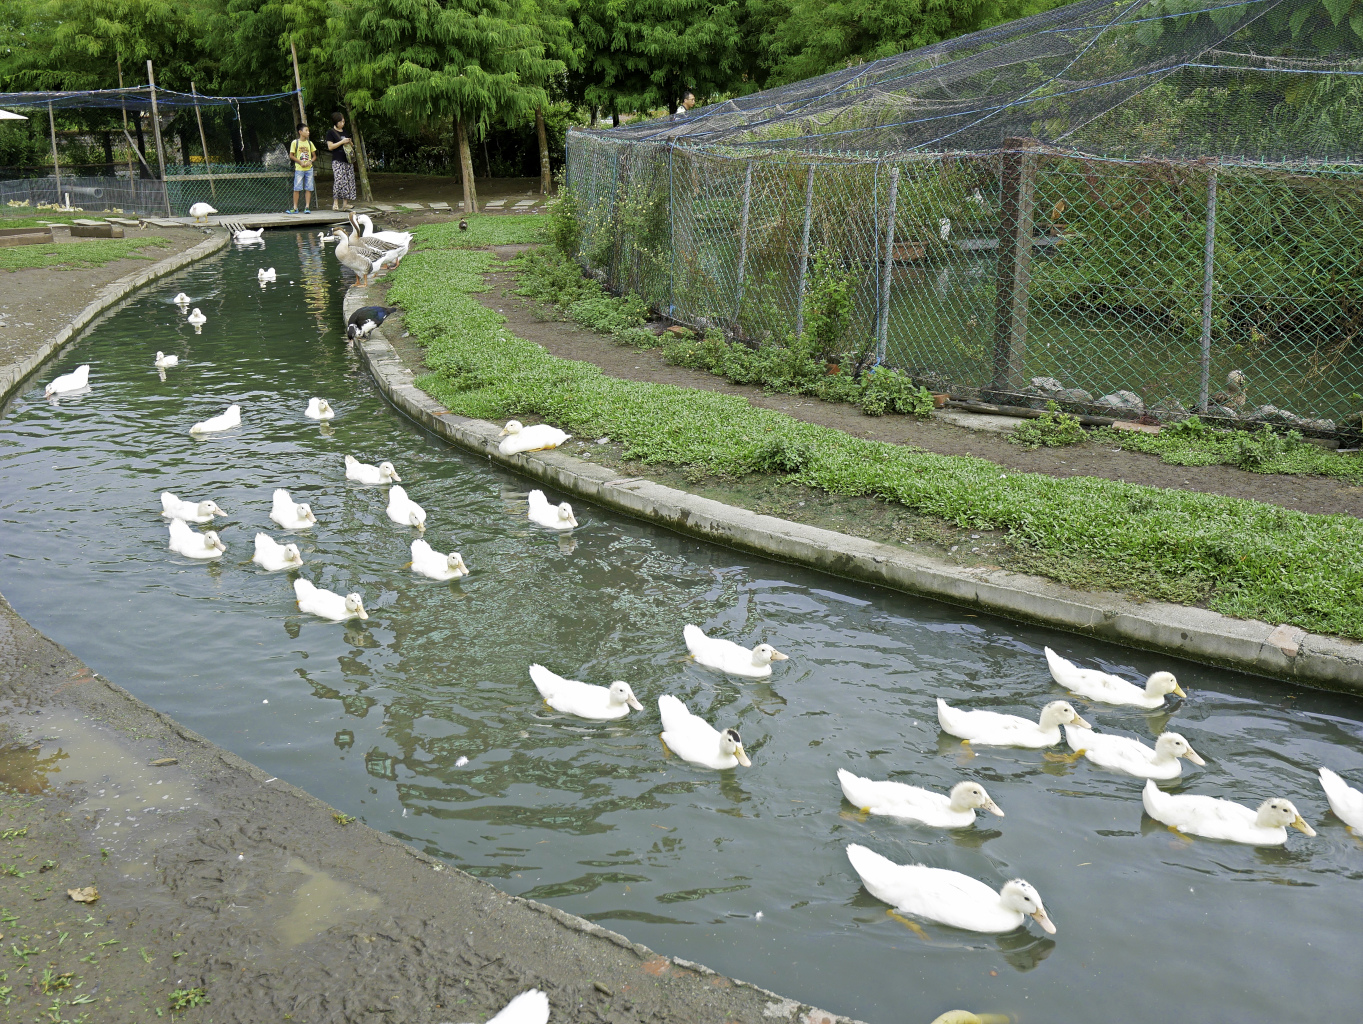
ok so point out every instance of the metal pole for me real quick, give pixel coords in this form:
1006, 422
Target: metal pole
882, 336
743, 238
298, 84
1208, 252
804, 254
671, 235
56, 167
203, 140
160, 150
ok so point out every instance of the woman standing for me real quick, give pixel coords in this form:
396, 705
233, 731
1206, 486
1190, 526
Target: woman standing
342, 171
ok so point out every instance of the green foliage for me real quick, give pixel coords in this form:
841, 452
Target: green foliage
886, 390
80, 255
829, 304
187, 999
1052, 429
487, 229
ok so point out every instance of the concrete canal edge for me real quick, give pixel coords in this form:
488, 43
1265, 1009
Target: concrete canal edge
1281, 652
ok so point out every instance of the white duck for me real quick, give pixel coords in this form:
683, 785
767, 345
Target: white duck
201, 212
582, 699
272, 556
74, 381
403, 510
517, 438
551, 517
1223, 819
727, 656
165, 362
319, 409
182, 300
191, 544
948, 897
693, 739
530, 1007
225, 420
897, 800
1133, 757
363, 473
196, 318
1110, 689
290, 514
190, 511
992, 729
265, 276
1345, 801
326, 605
401, 239
426, 561
247, 235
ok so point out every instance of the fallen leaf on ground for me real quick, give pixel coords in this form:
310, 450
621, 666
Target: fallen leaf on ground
161, 762
86, 895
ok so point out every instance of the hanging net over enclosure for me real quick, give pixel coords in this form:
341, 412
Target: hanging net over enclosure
1143, 208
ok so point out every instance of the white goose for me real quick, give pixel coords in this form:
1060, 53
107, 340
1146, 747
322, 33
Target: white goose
363, 473
326, 605
191, 544
1133, 757
1110, 689
197, 318
402, 239
182, 300
385, 248
290, 514
426, 561
1223, 819
319, 409
225, 420
247, 235
517, 438
201, 212
727, 656
897, 800
190, 511
265, 276
530, 1007
403, 510
76, 380
165, 362
551, 517
948, 897
1345, 801
694, 739
351, 257
992, 729
273, 556
600, 703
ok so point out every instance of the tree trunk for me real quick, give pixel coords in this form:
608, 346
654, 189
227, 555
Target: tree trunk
466, 167
615, 117
546, 179
596, 112
361, 159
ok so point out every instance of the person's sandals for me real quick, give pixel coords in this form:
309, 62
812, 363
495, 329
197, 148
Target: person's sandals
294, 210
306, 210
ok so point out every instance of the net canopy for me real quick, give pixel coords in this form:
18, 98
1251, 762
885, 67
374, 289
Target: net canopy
1261, 82
132, 98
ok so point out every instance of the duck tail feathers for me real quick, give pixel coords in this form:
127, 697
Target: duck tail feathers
302, 588
672, 711
531, 1007
1059, 666
867, 862
853, 787
693, 637
1336, 789
543, 679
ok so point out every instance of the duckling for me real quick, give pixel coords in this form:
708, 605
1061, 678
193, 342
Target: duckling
363, 473
403, 510
191, 544
272, 556
165, 362
319, 409
197, 318
288, 514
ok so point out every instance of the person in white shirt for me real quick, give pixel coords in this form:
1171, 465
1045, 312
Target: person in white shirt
688, 101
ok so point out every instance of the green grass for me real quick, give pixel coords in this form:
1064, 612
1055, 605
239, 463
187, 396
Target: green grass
486, 229
79, 255
1239, 557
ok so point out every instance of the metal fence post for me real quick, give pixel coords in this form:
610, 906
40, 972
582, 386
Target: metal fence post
743, 239
1014, 268
804, 253
883, 328
671, 237
56, 167
160, 150
1208, 254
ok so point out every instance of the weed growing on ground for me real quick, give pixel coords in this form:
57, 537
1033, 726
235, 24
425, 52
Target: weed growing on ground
80, 255
1052, 428
187, 998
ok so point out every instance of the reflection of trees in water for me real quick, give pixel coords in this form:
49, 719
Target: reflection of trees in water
312, 270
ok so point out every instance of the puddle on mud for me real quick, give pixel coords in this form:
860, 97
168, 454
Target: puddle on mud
319, 902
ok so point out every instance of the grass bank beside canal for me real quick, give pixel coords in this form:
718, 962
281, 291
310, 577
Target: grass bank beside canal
1238, 557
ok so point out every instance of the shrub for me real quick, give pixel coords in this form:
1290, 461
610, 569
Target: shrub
1052, 428
828, 302
885, 390
1253, 450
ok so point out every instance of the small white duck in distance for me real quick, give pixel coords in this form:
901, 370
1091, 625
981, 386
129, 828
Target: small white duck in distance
426, 561
265, 275
1110, 689
197, 318
600, 703
248, 235
912, 803
948, 897
1345, 801
551, 517
694, 739
363, 473
992, 729
727, 656
1122, 754
403, 510
201, 212
517, 438
1212, 818
190, 511
326, 605
530, 1007
165, 362
290, 514
273, 556
192, 544
225, 420
182, 300
319, 409
76, 380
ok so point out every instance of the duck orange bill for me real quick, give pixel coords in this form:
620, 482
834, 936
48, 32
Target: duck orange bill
1195, 757
778, 656
742, 757
1300, 823
1043, 919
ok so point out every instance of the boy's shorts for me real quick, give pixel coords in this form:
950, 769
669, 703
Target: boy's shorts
303, 180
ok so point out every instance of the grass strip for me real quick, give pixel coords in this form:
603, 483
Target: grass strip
79, 255
1239, 557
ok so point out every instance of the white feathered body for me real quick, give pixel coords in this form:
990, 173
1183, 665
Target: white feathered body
426, 561
201, 210
898, 800
265, 275
73, 381
319, 409
248, 235
225, 420
403, 510
576, 698
323, 603
530, 1007
936, 894
724, 655
165, 362
1123, 754
192, 544
551, 517
363, 473
273, 556
1345, 801
289, 514
1099, 686
1209, 817
993, 729
692, 738
538, 437
190, 511
197, 318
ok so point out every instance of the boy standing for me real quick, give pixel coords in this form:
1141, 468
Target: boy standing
303, 153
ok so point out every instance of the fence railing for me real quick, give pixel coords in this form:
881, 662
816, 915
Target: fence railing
229, 188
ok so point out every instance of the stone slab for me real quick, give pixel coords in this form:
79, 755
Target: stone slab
496, 204
412, 206
384, 207
439, 206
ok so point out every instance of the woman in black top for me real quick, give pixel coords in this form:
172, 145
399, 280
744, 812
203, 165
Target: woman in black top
342, 172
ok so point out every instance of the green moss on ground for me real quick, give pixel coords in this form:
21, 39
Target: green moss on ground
79, 255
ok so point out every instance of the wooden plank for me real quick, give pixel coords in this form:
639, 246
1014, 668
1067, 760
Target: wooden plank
79, 230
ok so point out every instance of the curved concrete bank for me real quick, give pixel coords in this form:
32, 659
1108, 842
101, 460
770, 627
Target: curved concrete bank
1281, 652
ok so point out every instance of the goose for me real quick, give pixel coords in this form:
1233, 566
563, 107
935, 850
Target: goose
363, 473
351, 257
196, 318
201, 212
365, 319
288, 514
381, 251
948, 897
426, 561
1132, 756
582, 699
991, 729
552, 517
247, 235
693, 739
272, 556
1345, 801
165, 362
403, 510
727, 656
225, 420
265, 276
1110, 689
326, 605
399, 238
190, 511
187, 542
74, 381
897, 800
530, 1007
319, 409
1212, 818
182, 300
537, 438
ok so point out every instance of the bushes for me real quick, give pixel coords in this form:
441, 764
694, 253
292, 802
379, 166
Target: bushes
1052, 428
